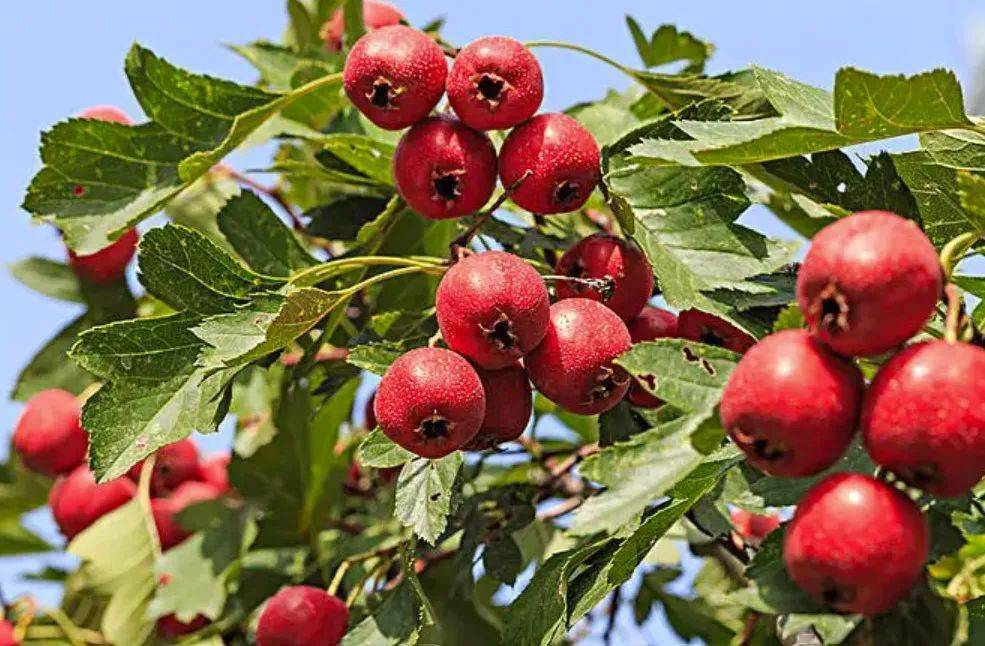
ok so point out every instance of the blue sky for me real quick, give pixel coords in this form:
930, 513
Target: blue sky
60, 57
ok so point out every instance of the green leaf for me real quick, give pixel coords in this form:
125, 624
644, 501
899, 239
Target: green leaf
774, 591
277, 64
668, 45
376, 357
48, 367
355, 27
503, 560
393, 623
380, 452
365, 155
342, 219
302, 26
15, 539
48, 277
21, 490
831, 629
260, 238
779, 492
424, 491
972, 191
936, 190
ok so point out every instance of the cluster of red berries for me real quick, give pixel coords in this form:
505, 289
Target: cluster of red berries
869, 283
445, 166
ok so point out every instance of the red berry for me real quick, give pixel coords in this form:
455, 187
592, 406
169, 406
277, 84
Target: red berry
7, 637
77, 502
557, 160
509, 404
495, 83
444, 169
376, 14
369, 414
108, 264
175, 463
792, 405
106, 113
395, 76
169, 530
573, 365
702, 327
170, 628
754, 527
493, 308
856, 544
48, 436
652, 323
869, 282
615, 260
215, 471
302, 615
923, 417
431, 402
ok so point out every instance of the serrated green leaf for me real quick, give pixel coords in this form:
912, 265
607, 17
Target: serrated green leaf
277, 64
54, 279
197, 206
48, 368
15, 539
260, 238
342, 219
380, 452
424, 491
935, 188
368, 156
668, 45
503, 560
395, 622
376, 357
972, 191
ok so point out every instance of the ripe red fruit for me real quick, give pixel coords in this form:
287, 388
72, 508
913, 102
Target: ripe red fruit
613, 259
376, 14
792, 405
869, 282
175, 463
495, 83
108, 264
702, 327
509, 404
923, 417
430, 402
170, 628
557, 159
7, 637
856, 544
652, 323
493, 308
77, 502
302, 615
395, 76
106, 113
169, 530
754, 527
48, 436
444, 169
573, 365
215, 471
369, 414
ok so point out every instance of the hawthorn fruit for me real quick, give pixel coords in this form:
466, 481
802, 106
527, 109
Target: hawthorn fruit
509, 404
651, 324
618, 262
76, 501
106, 113
706, 328
376, 14
109, 264
302, 615
169, 627
48, 436
165, 510
754, 528
7, 636
215, 471
174, 464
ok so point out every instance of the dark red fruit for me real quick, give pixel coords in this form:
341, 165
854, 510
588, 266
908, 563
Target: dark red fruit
215, 471
175, 463
430, 402
302, 615
856, 544
169, 530
792, 405
369, 414
618, 262
869, 282
754, 527
106, 113
509, 404
493, 308
7, 637
652, 323
395, 76
109, 264
923, 417
444, 169
48, 436
376, 14
702, 327
573, 365
170, 628
77, 502
557, 160
495, 83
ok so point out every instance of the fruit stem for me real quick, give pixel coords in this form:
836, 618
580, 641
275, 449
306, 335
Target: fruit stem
584, 50
319, 273
463, 240
953, 319
954, 250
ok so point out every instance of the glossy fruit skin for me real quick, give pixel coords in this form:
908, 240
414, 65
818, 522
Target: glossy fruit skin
431, 402
109, 264
607, 257
573, 364
923, 416
509, 404
376, 14
706, 328
792, 405
215, 471
856, 544
106, 113
170, 628
562, 159
169, 530
444, 169
395, 76
495, 83
76, 501
493, 308
7, 634
652, 323
754, 527
49, 437
302, 615
869, 282
174, 464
